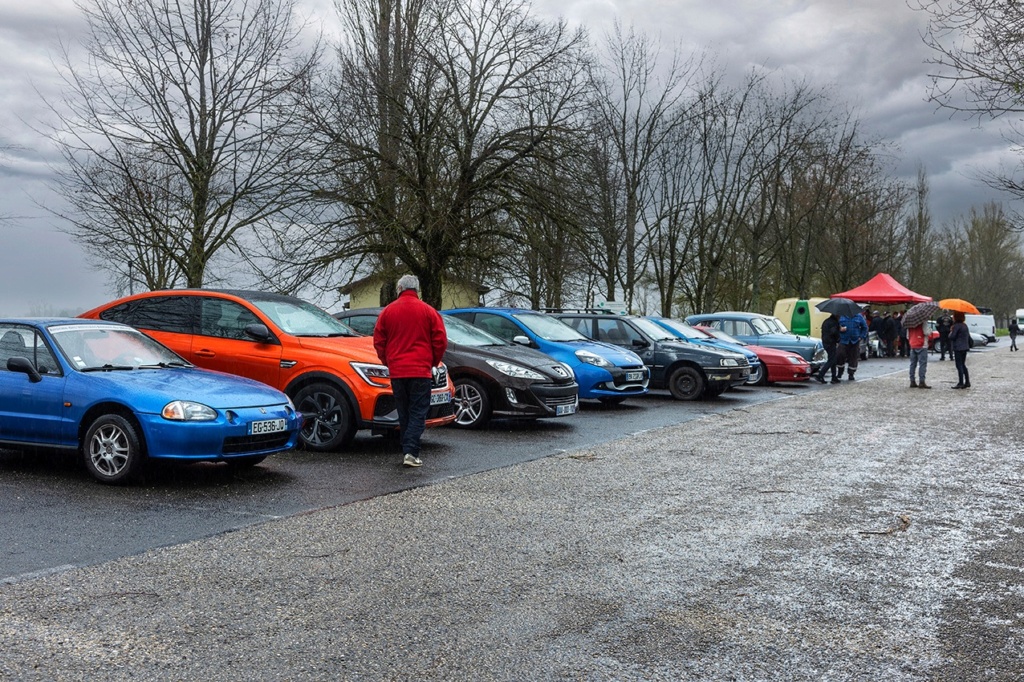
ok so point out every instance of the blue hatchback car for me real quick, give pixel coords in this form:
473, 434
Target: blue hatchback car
604, 372
117, 397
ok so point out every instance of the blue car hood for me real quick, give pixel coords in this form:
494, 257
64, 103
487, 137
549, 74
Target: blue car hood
156, 387
610, 352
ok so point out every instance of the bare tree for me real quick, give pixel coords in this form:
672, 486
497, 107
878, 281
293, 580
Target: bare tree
437, 112
178, 133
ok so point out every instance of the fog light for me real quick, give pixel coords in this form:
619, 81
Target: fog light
510, 393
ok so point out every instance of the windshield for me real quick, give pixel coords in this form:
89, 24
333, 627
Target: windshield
298, 318
95, 347
466, 334
549, 328
777, 325
761, 325
683, 329
654, 331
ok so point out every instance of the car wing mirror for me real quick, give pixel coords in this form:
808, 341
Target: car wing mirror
19, 364
521, 340
259, 331
641, 343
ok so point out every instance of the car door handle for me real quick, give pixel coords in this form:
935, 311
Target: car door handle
205, 353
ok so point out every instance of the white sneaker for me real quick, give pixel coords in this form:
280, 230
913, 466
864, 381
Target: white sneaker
412, 461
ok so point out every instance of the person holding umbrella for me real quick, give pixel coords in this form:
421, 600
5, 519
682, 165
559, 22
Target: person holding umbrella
960, 342
852, 330
913, 324
830, 340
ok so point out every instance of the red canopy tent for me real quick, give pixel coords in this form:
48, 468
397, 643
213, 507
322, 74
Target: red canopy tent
883, 290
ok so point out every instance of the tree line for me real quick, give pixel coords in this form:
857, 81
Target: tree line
212, 141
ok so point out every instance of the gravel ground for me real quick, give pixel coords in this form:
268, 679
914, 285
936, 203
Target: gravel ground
864, 531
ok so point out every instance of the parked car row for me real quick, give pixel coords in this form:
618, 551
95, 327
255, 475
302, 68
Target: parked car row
132, 379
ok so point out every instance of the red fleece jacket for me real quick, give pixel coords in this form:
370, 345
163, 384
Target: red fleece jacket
409, 337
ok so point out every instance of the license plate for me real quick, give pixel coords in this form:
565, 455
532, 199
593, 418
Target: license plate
634, 376
565, 409
267, 426
440, 398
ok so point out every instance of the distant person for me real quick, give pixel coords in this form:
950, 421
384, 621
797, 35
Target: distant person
903, 342
918, 356
960, 342
889, 332
851, 331
830, 340
942, 326
1014, 330
410, 339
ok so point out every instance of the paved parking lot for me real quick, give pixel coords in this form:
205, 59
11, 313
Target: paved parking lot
871, 535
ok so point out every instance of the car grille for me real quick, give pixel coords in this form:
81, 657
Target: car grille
264, 441
560, 400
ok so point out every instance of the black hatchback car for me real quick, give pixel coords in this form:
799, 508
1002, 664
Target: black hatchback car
492, 377
688, 370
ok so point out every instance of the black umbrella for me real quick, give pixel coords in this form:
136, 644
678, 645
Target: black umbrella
843, 307
920, 313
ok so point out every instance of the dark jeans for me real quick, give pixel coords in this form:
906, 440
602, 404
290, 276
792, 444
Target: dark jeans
944, 346
412, 398
1013, 342
848, 354
962, 375
830, 364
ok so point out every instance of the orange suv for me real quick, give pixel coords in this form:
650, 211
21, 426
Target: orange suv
333, 375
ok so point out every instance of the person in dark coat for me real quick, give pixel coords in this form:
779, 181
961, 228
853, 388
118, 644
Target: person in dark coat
903, 342
1014, 331
830, 340
888, 332
942, 326
960, 341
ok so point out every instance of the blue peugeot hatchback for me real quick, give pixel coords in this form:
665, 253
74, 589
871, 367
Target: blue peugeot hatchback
604, 372
117, 397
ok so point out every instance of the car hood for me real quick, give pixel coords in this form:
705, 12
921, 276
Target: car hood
766, 353
788, 340
613, 354
711, 350
745, 351
520, 355
351, 348
156, 387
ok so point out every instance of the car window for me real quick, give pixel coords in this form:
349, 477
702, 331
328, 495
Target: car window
25, 342
159, 313
298, 318
580, 324
653, 330
225, 319
363, 324
466, 334
91, 347
684, 329
501, 327
549, 328
616, 331
761, 326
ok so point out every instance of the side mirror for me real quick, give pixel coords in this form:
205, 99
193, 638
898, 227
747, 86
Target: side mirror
19, 364
521, 340
259, 332
641, 343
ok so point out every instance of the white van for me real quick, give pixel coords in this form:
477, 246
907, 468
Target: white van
983, 324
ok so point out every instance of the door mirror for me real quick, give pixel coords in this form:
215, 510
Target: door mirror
259, 332
521, 340
19, 364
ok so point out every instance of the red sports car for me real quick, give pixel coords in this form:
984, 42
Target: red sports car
779, 365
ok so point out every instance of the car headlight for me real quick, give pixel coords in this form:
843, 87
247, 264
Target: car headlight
592, 358
794, 360
375, 375
570, 370
729, 362
188, 411
516, 371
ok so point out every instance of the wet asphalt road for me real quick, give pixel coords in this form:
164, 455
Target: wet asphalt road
56, 517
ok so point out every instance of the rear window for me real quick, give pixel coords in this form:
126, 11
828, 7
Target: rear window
159, 313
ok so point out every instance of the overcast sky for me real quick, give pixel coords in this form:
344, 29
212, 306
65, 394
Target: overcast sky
869, 50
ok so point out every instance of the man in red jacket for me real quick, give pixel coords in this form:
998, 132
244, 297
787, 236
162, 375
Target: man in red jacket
410, 339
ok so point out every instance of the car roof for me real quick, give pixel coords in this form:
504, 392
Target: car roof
360, 311
488, 309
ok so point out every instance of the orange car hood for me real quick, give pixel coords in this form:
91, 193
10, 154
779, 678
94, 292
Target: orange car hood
359, 349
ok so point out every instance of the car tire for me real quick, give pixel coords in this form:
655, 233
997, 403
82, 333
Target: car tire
472, 404
328, 423
112, 451
757, 376
686, 383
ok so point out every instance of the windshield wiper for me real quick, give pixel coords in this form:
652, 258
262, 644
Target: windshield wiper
165, 365
107, 368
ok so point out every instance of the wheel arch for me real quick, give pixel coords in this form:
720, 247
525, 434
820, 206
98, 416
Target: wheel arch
303, 380
100, 409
